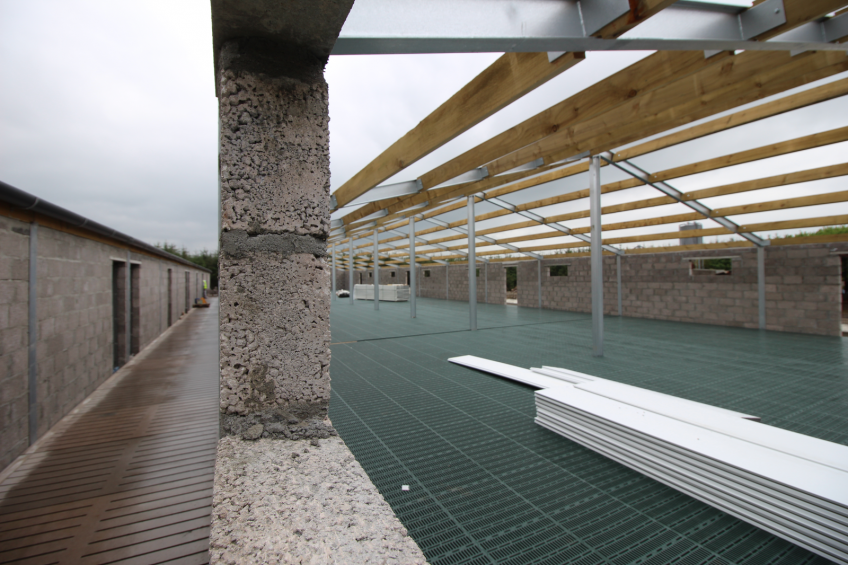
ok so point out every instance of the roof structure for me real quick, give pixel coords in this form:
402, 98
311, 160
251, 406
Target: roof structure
531, 183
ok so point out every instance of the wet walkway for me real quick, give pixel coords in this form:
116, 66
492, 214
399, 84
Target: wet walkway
128, 478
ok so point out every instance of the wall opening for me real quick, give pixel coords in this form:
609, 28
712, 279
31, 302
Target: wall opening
170, 297
407, 277
558, 271
711, 266
119, 313
187, 291
135, 309
511, 285
393, 274
426, 274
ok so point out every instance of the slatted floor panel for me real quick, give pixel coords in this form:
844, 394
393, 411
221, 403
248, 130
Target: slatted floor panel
488, 485
128, 478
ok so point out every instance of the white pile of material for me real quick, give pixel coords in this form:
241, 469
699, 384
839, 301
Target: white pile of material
388, 292
789, 484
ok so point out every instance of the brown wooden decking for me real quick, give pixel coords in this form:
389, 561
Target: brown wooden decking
128, 478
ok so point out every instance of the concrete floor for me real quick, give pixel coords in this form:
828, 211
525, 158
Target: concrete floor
488, 485
127, 477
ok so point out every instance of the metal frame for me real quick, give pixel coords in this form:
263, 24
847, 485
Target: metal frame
496, 26
597, 258
375, 262
541, 221
668, 190
413, 268
350, 268
32, 335
472, 267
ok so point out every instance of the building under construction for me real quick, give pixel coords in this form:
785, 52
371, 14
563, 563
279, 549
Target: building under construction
586, 350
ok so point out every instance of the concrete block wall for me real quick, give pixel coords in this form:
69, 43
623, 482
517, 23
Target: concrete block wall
14, 301
74, 312
434, 285
803, 288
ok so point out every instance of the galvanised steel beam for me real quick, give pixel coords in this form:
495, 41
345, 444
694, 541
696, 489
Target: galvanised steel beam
383, 192
497, 26
413, 268
761, 286
351, 265
597, 258
464, 231
436, 245
668, 190
472, 267
541, 220
375, 259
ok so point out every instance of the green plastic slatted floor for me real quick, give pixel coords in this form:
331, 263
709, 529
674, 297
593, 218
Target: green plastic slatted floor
488, 485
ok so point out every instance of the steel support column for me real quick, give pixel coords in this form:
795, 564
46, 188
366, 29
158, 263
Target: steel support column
447, 282
413, 267
350, 271
761, 285
472, 267
334, 274
618, 281
32, 334
375, 261
597, 260
486, 282
539, 286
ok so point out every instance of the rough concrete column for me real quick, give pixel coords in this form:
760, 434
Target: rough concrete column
275, 282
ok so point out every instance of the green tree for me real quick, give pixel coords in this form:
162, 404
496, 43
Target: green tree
205, 258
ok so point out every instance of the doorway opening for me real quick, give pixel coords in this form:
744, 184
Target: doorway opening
170, 297
511, 285
407, 278
135, 309
119, 313
187, 292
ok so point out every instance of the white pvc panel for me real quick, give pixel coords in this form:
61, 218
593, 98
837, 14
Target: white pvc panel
507, 371
789, 484
805, 475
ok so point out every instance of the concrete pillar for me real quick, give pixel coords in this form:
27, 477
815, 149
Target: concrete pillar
275, 276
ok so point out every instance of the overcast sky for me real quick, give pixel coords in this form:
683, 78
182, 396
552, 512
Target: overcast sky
108, 109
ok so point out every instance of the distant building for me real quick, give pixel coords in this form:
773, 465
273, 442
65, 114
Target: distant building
691, 240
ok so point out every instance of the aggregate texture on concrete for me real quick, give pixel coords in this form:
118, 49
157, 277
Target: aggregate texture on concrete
274, 283
279, 501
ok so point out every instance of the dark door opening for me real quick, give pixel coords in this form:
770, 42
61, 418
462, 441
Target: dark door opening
170, 297
135, 309
119, 313
407, 278
511, 285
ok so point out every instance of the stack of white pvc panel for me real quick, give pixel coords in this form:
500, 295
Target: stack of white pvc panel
390, 292
789, 484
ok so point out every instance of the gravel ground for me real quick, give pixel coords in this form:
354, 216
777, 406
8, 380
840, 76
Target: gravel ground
307, 501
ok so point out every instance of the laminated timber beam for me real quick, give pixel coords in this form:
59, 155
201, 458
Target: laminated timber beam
738, 80
782, 148
625, 85
820, 65
510, 77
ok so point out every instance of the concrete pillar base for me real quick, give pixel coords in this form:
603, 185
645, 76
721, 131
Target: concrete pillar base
301, 501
